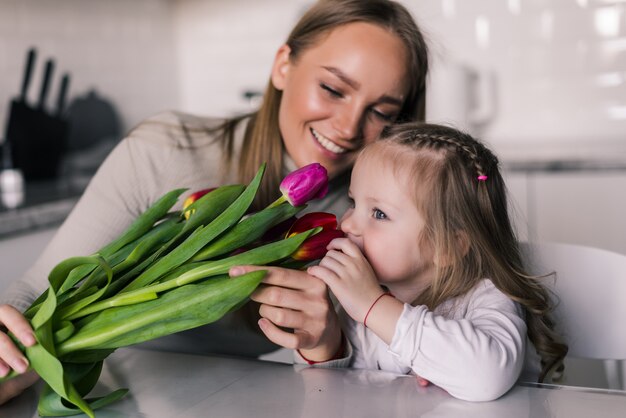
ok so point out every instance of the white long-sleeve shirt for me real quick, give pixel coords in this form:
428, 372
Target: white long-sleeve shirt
473, 346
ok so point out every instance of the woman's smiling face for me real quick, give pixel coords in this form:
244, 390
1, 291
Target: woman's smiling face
339, 94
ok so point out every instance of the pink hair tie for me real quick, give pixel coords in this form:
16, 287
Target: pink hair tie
482, 178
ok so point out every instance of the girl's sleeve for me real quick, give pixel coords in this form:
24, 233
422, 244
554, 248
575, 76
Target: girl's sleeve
476, 358
117, 194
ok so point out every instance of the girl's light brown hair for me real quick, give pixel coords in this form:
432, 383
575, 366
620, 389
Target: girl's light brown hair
262, 140
468, 226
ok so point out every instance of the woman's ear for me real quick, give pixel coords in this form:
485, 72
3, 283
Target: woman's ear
280, 69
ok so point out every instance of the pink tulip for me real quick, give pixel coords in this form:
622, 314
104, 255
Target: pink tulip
304, 184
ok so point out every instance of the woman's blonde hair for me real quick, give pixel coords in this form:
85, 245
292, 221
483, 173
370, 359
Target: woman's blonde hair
457, 186
262, 139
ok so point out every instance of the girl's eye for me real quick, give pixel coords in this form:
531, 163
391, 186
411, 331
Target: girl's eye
379, 214
331, 91
351, 202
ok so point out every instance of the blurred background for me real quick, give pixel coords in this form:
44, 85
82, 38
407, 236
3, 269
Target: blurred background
542, 81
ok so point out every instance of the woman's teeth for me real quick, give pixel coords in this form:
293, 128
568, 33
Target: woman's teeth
327, 143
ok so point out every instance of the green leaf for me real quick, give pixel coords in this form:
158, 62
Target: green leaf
180, 309
265, 254
200, 237
51, 404
209, 206
144, 222
247, 231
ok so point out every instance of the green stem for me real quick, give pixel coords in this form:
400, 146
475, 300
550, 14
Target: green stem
277, 202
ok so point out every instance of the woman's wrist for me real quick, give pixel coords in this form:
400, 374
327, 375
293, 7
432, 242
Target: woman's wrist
326, 350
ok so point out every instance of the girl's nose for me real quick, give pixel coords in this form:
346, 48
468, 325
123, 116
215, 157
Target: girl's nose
348, 223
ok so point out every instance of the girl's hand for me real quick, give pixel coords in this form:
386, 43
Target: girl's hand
350, 276
294, 299
10, 356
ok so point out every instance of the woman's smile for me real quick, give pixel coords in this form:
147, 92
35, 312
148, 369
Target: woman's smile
328, 144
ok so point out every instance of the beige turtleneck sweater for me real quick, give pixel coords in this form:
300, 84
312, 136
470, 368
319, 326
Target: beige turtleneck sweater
168, 151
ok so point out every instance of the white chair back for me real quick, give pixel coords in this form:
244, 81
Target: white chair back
591, 287
590, 284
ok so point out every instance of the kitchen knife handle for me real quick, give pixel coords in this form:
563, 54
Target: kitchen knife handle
65, 81
43, 94
30, 62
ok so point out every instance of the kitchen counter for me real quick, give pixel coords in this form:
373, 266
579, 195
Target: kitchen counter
46, 204
558, 165
169, 384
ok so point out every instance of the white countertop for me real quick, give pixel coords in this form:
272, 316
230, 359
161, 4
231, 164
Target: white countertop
168, 385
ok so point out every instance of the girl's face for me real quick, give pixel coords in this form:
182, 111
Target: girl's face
386, 225
339, 94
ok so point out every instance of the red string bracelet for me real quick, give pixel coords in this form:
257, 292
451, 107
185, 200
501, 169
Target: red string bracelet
370, 309
339, 354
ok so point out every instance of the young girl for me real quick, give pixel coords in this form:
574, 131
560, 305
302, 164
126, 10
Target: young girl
429, 276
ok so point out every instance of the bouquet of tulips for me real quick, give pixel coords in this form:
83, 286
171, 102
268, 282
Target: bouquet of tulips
166, 273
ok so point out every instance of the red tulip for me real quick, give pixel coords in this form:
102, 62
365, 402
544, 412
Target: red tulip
315, 247
192, 198
313, 220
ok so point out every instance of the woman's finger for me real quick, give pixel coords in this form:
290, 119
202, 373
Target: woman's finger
281, 317
280, 296
11, 355
280, 337
15, 322
293, 279
13, 387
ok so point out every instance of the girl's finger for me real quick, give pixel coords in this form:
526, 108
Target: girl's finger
327, 275
345, 246
330, 262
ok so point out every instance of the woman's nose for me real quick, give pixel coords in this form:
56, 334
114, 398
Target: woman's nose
348, 122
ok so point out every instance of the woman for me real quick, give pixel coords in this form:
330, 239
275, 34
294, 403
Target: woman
348, 69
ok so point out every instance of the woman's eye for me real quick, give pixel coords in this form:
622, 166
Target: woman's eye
351, 202
331, 90
383, 116
379, 214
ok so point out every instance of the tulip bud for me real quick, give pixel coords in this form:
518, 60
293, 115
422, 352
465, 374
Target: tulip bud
304, 184
192, 198
313, 220
315, 246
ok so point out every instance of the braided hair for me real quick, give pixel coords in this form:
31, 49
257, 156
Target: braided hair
458, 188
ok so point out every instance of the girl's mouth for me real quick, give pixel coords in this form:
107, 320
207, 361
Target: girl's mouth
327, 144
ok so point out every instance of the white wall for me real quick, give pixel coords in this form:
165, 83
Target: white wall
560, 90
558, 66
225, 48
122, 49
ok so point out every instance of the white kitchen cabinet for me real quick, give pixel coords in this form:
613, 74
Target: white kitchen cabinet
18, 253
578, 207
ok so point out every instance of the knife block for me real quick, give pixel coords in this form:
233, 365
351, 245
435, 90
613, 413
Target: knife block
37, 146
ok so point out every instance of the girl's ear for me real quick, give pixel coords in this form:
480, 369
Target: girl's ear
280, 69
462, 243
